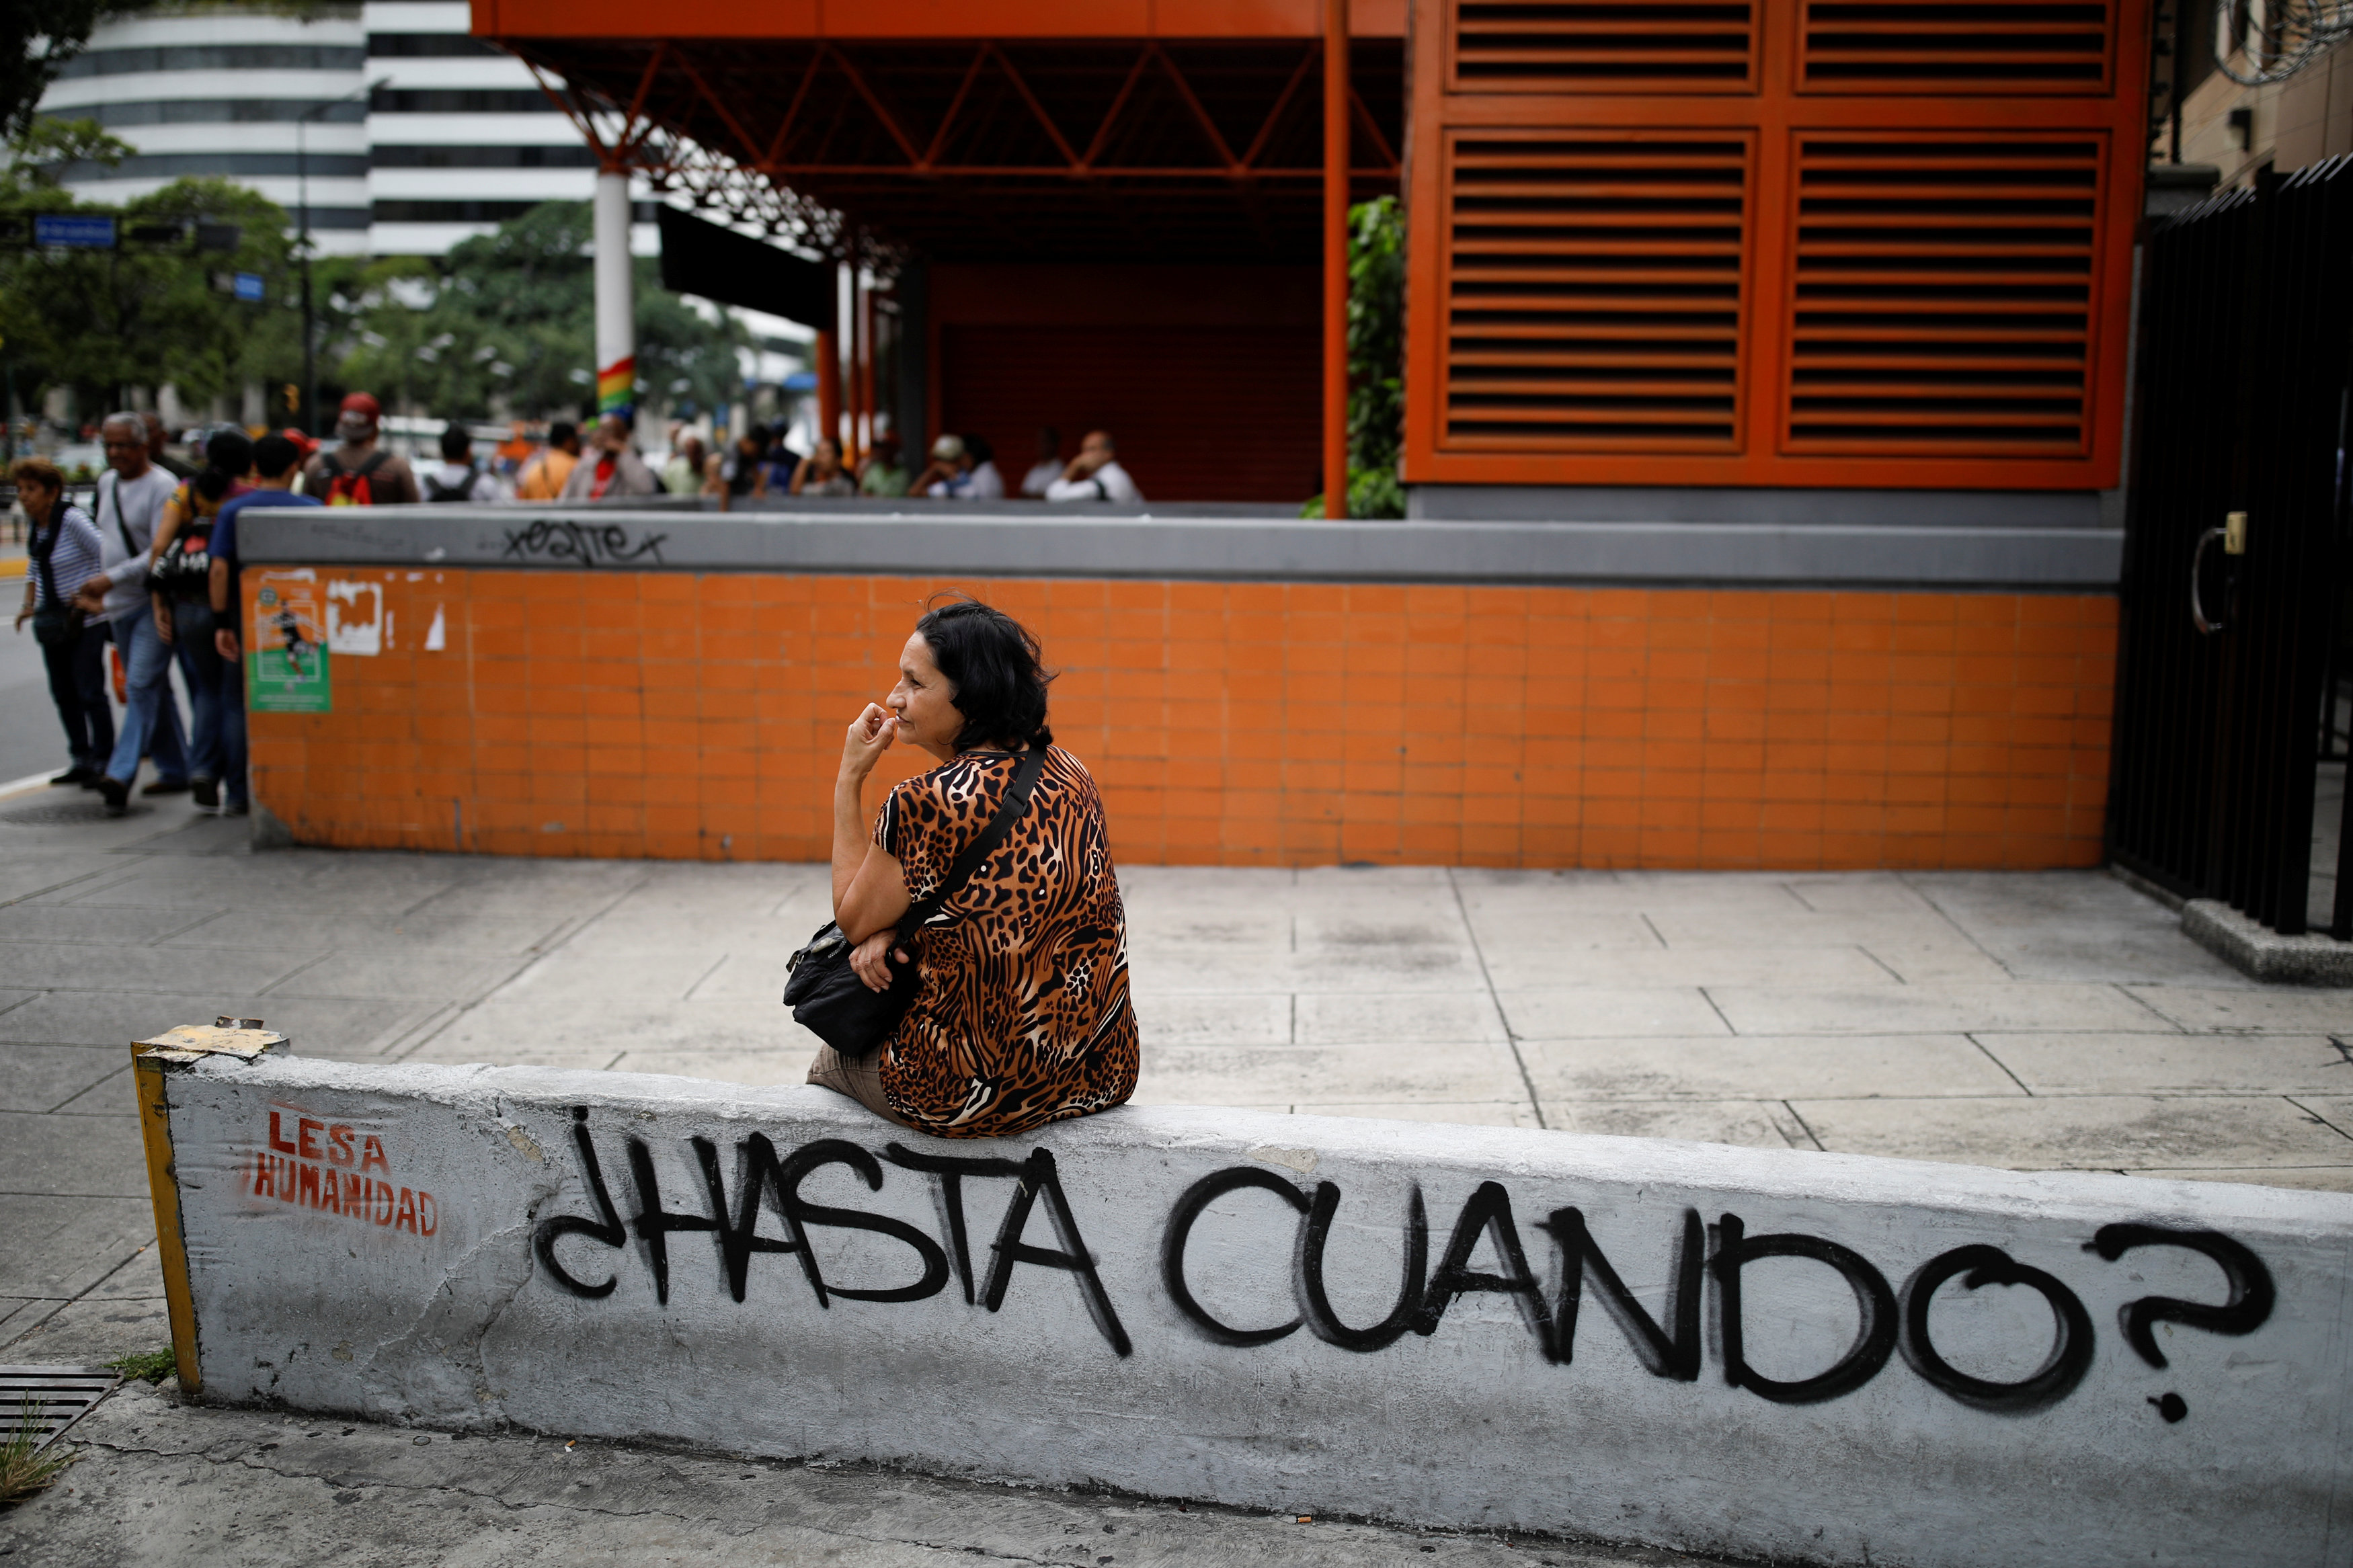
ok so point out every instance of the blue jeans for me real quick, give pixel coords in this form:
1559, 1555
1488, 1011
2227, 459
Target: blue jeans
217, 688
200, 667
149, 715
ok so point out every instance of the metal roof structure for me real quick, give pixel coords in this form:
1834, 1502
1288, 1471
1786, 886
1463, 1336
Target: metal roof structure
1087, 130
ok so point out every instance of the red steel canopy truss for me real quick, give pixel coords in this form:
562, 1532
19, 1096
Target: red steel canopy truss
993, 149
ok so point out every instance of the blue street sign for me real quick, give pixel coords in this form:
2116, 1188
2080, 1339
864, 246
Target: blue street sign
82, 233
248, 287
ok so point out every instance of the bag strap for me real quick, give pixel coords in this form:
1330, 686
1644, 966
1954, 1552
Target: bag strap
128, 544
1016, 801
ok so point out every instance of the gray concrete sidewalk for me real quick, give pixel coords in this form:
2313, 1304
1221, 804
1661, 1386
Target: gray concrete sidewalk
2048, 1020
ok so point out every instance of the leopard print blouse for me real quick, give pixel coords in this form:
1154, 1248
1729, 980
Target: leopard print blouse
1023, 1015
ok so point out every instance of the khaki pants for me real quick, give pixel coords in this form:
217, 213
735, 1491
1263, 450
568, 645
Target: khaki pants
860, 1079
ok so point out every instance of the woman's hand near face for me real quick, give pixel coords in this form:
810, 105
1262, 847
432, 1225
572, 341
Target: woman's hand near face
870, 959
871, 735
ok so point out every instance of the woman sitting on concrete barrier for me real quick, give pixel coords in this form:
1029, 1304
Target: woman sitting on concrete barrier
1022, 1017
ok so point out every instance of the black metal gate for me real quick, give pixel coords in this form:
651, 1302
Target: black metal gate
2236, 558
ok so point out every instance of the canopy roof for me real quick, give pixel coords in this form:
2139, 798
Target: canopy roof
982, 140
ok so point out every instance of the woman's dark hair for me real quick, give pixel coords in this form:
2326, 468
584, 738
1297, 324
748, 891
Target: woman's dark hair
980, 449
993, 663
228, 457
455, 445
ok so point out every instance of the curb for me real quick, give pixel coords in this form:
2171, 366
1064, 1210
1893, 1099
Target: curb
2265, 954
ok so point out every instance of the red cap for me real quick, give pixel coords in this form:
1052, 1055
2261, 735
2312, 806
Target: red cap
302, 443
363, 403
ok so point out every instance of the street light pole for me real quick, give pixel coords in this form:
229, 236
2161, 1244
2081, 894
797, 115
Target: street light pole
302, 199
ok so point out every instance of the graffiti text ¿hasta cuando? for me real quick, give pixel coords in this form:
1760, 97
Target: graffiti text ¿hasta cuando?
1671, 1345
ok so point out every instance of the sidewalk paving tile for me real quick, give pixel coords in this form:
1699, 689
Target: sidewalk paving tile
1329, 1019
1190, 1018
1571, 1012
1532, 965
56, 1248
1776, 1067
2272, 1009
2173, 1063
2083, 1132
92, 1156
1940, 1009
44, 1078
1289, 1075
130, 967
1464, 1113
2063, 925
1751, 1123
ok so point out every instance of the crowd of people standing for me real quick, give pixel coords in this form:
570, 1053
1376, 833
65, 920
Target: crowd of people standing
149, 570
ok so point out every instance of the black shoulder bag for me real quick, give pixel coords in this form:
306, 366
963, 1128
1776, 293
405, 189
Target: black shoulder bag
56, 623
826, 995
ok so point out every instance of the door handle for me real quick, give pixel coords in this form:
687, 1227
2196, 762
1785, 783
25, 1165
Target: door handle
2234, 535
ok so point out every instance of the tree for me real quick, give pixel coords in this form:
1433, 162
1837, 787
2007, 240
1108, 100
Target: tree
1375, 360
512, 314
151, 310
48, 33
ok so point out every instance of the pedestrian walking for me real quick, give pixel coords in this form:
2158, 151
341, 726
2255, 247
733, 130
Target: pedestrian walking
359, 473
544, 477
277, 464
132, 495
1019, 1014
179, 580
158, 447
62, 553
460, 477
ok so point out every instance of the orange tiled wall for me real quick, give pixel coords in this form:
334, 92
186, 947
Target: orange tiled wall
676, 715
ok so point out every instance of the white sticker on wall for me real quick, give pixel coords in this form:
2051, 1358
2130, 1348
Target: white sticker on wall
356, 618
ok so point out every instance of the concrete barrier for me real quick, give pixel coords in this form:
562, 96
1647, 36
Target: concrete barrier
1810, 1357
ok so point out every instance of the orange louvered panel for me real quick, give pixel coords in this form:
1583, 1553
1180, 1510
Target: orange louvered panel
1555, 46
1804, 243
1938, 45
1593, 291
1942, 294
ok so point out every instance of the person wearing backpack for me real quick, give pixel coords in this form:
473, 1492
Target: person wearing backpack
132, 495
359, 473
179, 580
458, 479
62, 553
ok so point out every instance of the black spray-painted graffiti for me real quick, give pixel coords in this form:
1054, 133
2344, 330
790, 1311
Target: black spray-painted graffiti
1671, 1345
767, 1180
552, 539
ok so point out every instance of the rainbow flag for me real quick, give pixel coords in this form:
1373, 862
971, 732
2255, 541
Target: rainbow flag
616, 386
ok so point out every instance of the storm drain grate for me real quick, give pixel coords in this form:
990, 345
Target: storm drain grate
46, 1400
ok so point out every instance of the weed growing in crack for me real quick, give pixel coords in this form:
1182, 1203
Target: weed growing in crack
148, 1366
23, 1472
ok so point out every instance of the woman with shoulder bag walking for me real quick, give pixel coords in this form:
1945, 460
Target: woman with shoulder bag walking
984, 908
62, 553
179, 576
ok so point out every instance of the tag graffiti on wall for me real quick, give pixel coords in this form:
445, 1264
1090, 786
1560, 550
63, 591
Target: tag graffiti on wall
336, 1168
286, 662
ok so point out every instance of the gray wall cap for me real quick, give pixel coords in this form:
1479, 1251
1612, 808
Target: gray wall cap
1908, 549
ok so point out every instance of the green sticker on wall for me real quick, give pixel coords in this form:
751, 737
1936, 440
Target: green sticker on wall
286, 664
